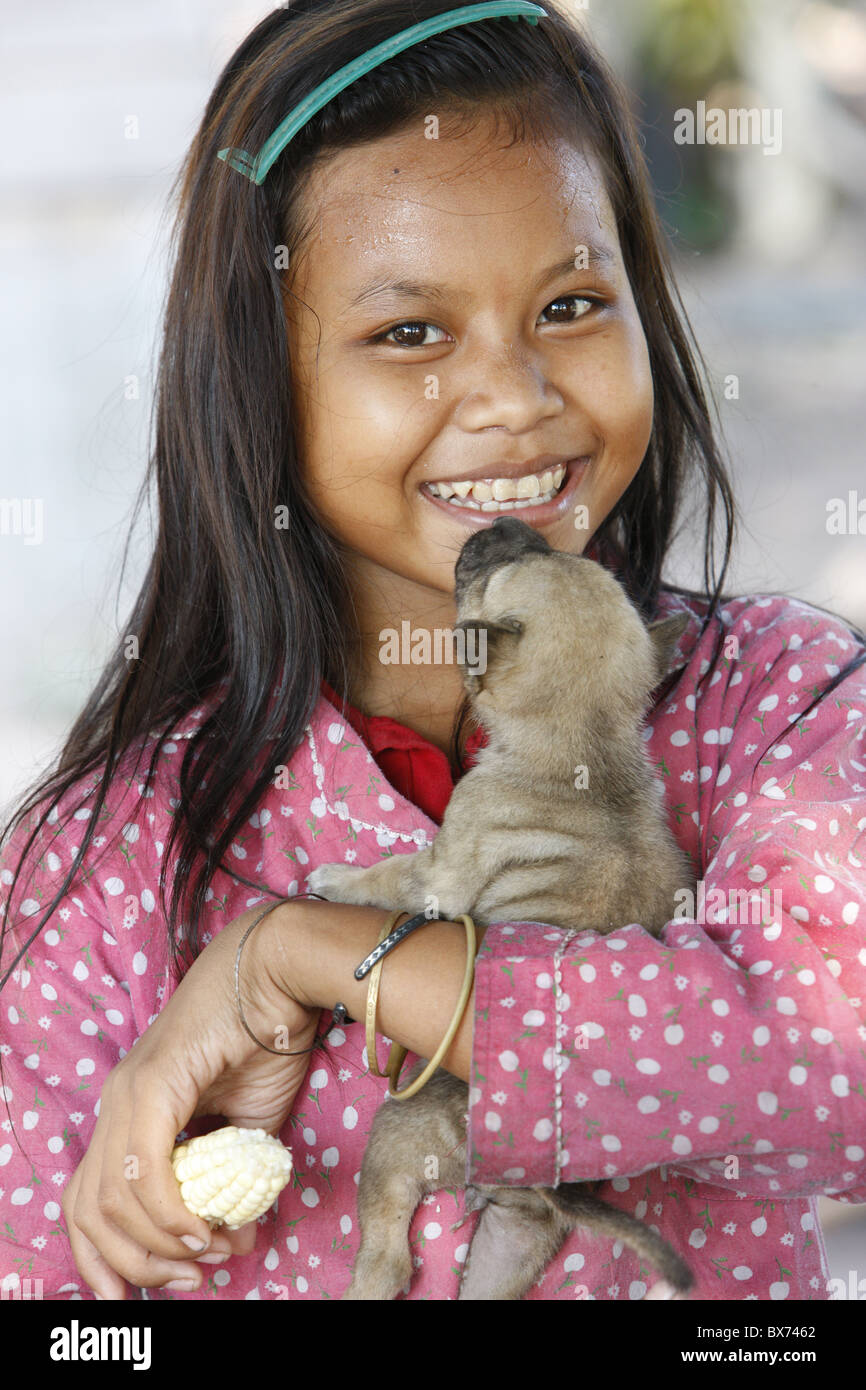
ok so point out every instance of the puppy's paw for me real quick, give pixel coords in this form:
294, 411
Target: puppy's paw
379, 1276
476, 1198
339, 882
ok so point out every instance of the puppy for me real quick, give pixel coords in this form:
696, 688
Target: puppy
560, 821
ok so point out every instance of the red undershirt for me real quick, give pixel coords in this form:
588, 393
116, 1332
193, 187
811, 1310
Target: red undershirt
414, 766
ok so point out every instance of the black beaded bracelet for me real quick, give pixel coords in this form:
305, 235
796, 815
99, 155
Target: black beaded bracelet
397, 935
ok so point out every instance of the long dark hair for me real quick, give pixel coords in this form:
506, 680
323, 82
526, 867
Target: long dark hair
260, 613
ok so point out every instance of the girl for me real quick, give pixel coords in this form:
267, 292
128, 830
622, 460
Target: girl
448, 294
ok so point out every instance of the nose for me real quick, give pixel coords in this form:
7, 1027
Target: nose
485, 551
509, 391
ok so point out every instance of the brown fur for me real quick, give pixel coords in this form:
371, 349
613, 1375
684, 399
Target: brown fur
570, 670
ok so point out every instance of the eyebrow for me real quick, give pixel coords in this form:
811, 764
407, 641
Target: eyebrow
598, 257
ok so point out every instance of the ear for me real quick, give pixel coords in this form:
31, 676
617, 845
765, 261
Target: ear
486, 642
665, 636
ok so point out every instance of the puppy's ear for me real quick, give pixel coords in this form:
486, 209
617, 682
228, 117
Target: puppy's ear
486, 643
665, 636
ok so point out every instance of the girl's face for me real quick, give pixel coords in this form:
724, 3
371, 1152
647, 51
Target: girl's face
461, 322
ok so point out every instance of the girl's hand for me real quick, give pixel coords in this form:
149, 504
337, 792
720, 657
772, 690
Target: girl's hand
124, 1213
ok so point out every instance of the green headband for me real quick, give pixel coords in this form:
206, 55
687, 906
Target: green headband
255, 167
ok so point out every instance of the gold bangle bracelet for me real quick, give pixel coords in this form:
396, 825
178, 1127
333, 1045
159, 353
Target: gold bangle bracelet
373, 996
398, 1053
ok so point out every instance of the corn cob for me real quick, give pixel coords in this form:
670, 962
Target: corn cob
231, 1176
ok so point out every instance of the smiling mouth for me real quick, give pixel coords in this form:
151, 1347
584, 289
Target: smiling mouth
501, 494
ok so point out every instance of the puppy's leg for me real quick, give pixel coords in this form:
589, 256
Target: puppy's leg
400, 880
386, 1201
517, 1237
415, 1147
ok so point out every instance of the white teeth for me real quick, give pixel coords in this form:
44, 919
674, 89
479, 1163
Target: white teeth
502, 493
492, 506
528, 487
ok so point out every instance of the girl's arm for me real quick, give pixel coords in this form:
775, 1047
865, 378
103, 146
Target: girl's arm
312, 948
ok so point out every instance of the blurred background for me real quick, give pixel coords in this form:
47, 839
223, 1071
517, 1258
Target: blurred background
101, 101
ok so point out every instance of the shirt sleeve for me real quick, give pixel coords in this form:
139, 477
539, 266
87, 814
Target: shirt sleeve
65, 1021
733, 1049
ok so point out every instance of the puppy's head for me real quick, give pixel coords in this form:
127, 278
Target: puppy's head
551, 632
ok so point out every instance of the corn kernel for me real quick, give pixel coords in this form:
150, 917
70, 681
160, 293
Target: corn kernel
231, 1176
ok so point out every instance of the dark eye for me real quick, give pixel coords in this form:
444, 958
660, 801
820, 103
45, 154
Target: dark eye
412, 334
562, 303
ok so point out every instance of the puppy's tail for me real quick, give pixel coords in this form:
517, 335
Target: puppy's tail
573, 1202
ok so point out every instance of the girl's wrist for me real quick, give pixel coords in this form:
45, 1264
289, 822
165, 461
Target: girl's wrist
310, 949
273, 1007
